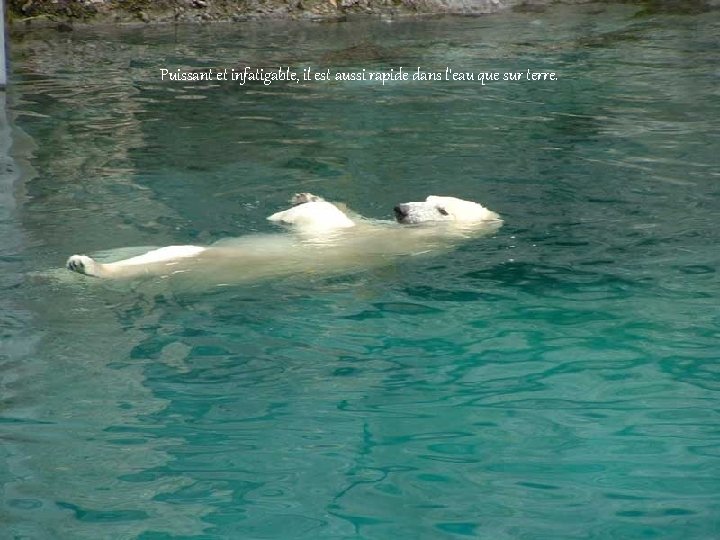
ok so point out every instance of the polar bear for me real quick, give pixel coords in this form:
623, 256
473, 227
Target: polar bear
323, 237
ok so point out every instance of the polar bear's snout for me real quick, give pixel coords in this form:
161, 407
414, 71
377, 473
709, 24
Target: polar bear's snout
401, 212
413, 213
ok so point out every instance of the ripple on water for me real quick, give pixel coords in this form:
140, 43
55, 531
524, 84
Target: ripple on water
555, 380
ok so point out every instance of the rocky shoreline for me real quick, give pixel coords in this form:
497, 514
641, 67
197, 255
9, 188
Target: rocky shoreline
65, 13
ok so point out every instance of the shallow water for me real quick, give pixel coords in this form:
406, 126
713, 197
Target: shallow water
556, 380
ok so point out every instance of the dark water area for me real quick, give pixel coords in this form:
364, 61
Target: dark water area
558, 379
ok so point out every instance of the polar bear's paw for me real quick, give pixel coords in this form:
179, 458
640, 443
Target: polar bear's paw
82, 264
302, 198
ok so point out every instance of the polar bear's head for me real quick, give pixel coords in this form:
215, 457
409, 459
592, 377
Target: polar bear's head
312, 214
448, 209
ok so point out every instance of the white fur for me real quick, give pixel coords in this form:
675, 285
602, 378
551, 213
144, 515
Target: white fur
323, 239
448, 209
164, 254
312, 217
463, 211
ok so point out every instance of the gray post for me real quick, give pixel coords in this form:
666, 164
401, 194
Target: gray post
3, 58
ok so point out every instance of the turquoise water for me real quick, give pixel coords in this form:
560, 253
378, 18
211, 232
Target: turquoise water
556, 380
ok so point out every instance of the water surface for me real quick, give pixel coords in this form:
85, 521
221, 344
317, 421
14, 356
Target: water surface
556, 380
